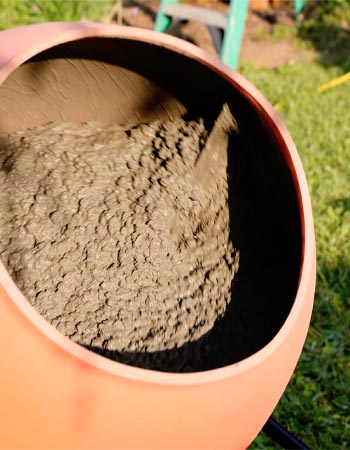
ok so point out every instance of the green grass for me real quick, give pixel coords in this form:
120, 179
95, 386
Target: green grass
315, 405
23, 12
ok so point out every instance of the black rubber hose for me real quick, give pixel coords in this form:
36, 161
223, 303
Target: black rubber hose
282, 436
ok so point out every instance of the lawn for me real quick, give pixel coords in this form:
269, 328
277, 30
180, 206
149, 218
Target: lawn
24, 12
315, 406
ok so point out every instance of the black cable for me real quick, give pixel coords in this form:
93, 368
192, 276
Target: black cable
282, 436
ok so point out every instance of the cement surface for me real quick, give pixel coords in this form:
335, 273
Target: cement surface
109, 236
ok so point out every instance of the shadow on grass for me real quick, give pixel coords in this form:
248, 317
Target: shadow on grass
343, 203
330, 41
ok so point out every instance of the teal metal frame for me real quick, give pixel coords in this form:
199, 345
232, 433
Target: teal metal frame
233, 34
298, 6
163, 21
232, 39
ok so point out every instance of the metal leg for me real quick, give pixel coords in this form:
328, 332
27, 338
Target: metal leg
298, 7
163, 21
231, 45
175, 28
216, 36
282, 436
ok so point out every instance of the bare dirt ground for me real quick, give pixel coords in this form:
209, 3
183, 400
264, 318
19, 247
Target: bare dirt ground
258, 47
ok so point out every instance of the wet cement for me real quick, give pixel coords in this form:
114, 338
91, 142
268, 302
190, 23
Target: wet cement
110, 237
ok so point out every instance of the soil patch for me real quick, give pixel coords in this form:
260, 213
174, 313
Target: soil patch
110, 237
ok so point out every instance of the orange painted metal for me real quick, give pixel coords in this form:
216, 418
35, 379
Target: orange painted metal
56, 394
